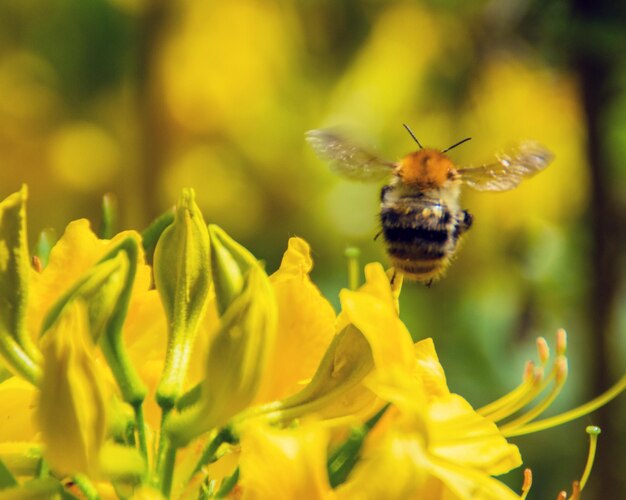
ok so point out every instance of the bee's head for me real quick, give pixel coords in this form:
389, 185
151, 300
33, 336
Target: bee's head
426, 169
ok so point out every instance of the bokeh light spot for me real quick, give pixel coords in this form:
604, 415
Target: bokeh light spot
84, 156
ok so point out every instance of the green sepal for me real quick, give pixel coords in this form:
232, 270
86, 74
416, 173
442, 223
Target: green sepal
189, 398
230, 261
182, 278
6, 478
150, 236
16, 347
342, 460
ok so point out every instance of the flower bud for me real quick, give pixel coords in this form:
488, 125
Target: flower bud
229, 263
236, 360
182, 277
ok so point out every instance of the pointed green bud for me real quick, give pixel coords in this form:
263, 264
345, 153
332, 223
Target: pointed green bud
182, 277
16, 347
73, 404
229, 263
237, 358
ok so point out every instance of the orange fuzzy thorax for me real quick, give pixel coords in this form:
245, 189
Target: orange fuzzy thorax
426, 169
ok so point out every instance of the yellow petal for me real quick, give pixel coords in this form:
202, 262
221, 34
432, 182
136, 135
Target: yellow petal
72, 403
16, 410
372, 310
72, 256
429, 370
399, 467
306, 325
459, 435
284, 464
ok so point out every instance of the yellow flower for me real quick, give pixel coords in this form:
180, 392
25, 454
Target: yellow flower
306, 325
72, 403
16, 411
284, 464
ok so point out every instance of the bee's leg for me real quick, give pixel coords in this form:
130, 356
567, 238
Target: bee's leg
378, 234
465, 223
393, 277
429, 283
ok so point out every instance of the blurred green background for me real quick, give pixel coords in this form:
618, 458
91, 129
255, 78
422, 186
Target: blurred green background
144, 97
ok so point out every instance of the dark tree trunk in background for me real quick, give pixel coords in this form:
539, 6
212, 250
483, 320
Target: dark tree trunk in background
596, 64
151, 115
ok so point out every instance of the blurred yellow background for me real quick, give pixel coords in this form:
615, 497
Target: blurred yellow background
142, 98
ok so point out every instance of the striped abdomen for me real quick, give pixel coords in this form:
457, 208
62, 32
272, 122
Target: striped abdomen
422, 235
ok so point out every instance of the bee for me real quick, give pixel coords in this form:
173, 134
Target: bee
420, 214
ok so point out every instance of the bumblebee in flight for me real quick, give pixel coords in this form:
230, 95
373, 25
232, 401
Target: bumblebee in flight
421, 218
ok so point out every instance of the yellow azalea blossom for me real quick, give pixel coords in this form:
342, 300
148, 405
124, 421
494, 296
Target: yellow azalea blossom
306, 325
284, 464
283, 398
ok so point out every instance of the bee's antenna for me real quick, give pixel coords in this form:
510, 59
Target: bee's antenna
457, 144
412, 135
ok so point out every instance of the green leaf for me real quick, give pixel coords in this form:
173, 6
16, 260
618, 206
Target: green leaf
16, 346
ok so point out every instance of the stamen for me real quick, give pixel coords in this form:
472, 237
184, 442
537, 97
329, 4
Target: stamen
570, 415
354, 279
37, 265
560, 372
576, 489
561, 342
516, 399
593, 432
528, 482
543, 350
507, 399
562, 495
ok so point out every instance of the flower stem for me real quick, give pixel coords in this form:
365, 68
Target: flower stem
353, 254
209, 454
86, 487
166, 457
141, 430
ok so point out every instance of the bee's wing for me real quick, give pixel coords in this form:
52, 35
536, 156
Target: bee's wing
509, 170
347, 159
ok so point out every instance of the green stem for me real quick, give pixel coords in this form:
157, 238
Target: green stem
86, 487
166, 457
353, 254
141, 431
209, 454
